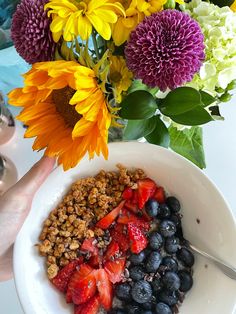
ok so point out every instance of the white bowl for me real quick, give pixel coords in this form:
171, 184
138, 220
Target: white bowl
212, 293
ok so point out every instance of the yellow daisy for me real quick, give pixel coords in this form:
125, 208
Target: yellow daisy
65, 109
135, 12
120, 76
72, 18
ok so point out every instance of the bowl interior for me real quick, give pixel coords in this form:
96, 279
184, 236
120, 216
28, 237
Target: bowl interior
207, 222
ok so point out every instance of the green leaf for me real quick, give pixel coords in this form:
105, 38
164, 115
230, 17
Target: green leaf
138, 85
138, 105
206, 98
160, 135
189, 144
136, 129
180, 100
197, 116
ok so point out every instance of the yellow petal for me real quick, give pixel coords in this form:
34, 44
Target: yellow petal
57, 24
103, 28
82, 128
84, 27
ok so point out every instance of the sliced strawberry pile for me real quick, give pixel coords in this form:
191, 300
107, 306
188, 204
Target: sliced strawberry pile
89, 284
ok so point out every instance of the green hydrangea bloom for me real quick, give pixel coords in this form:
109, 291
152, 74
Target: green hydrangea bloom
219, 28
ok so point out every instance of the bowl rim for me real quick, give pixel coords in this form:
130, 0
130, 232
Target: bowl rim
22, 297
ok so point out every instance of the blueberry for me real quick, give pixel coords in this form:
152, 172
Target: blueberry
137, 259
186, 281
164, 211
136, 273
168, 297
156, 285
150, 304
170, 263
173, 204
172, 245
141, 291
186, 257
171, 281
147, 312
152, 207
162, 308
122, 291
176, 219
132, 309
155, 240
167, 228
153, 262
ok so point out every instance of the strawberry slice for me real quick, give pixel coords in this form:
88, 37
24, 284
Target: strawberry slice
62, 278
83, 272
146, 188
127, 217
118, 234
127, 194
89, 245
90, 307
138, 240
114, 269
159, 195
104, 288
106, 221
95, 261
112, 250
131, 206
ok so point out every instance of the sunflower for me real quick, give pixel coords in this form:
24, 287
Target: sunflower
65, 109
77, 18
120, 76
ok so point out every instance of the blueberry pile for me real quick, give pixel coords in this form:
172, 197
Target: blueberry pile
157, 278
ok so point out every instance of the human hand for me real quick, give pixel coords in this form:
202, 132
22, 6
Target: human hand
15, 206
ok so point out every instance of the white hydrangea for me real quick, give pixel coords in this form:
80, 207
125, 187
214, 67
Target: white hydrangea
219, 28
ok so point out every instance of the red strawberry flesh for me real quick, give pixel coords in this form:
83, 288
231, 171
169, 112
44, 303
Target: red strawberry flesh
62, 278
90, 307
146, 188
115, 269
106, 221
138, 240
104, 287
84, 271
127, 194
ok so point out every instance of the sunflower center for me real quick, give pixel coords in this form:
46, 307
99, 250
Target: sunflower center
61, 99
116, 77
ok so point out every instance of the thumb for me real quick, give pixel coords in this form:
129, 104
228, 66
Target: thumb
33, 179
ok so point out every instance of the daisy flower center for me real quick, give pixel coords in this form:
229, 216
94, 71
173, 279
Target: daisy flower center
61, 99
115, 77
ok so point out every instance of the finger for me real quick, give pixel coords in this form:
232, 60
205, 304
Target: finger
33, 179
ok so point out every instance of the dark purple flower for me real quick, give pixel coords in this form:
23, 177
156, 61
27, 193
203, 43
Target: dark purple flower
30, 32
166, 49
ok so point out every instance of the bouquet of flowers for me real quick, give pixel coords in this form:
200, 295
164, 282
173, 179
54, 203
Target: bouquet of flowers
153, 69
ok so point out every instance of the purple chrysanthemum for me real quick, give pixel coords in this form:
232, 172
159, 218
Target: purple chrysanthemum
166, 49
30, 32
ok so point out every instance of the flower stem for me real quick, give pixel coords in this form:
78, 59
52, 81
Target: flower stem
95, 45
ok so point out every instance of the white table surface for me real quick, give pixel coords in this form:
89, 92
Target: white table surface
220, 148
